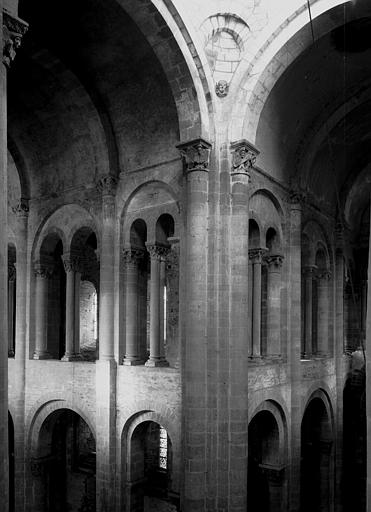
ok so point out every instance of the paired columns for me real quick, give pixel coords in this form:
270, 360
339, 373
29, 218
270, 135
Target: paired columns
258, 258
134, 341
43, 272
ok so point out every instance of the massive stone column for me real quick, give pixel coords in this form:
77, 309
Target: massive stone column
43, 272
71, 263
339, 349
274, 305
194, 357
243, 158
12, 32
106, 365
256, 257
132, 258
21, 212
294, 329
156, 308
368, 381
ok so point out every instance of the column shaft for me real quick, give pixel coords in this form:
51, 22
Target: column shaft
156, 341
238, 325
294, 322
308, 322
41, 313
194, 356
21, 211
71, 264
107, 185
11, 312
368, 382
133, 352
256, 256
70, 314
323, 314
4, 472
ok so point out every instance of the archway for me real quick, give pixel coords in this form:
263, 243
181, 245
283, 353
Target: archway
149, 469
265, 486
316, 457
64, 470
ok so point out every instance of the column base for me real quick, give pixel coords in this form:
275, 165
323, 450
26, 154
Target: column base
128, 361
71, 357
156, 362
11, 353
42, 355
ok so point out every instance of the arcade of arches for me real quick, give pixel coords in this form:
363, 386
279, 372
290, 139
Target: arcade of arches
184, 256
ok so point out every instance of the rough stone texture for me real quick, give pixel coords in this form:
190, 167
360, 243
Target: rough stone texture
96, 119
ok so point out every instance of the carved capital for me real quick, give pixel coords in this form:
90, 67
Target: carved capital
274, 474
243, 157
296, 198
22, 208
107, 185
274, 262
12, 272
13, 31
43, 269
310, 271
325, 446
157, 251
36, 467
256, 255
195, 154
132, 256
72, 262
323, 274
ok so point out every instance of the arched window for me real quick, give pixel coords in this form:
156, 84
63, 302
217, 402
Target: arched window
150, 467
65, 466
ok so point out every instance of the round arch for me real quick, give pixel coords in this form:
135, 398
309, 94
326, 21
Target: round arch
193, 121
41, 413
257, 77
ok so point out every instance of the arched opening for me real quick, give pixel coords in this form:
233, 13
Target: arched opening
265, 472
50, 298
150, 469
136, 295
321, 303
271, 295
82, 290
168, 295
316, 458
64, 470
354, 437
88, 320
12, 286
11, 463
